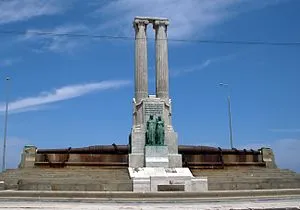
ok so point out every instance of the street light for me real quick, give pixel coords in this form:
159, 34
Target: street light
229, 113
5, 125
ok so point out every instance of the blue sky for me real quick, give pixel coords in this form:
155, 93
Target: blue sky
78, 91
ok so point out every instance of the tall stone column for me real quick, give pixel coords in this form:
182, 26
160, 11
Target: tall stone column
162, 67
141, 63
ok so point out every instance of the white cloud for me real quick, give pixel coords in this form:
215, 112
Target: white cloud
190, 69
60, 94
20, 10
188, 17
206, 63
56, 41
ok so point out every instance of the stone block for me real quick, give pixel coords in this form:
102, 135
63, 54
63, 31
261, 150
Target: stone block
180, 172
175, 160
155, 181
137, 141
268, 157
156, 156
141, 184
156, 151
125, 187
199, 184
171, 139
150, 178
2, 185
136, 160
157, 162
94, 187
28, 157
146, 172
136, 157
34, 186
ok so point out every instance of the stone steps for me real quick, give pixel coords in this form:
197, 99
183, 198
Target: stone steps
254, 176
119, 180
68, 179
255, 179
261, 184
67, 175
258, 170
274, 184
74, 185
249, 178
244, 173
40, 173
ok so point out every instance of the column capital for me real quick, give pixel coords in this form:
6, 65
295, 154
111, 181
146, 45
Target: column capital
140, 22
158, 23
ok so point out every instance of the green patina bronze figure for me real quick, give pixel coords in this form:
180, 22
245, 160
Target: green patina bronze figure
160, 131
150, 133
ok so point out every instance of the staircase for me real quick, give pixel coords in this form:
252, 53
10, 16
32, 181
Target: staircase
117, 179
68, 179
249, 178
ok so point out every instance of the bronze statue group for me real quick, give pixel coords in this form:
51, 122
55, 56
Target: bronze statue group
155, 133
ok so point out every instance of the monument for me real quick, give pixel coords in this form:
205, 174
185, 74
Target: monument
154, 162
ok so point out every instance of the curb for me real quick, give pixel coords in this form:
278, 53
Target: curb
249, 194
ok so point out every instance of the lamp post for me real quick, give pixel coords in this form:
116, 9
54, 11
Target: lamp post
229, 113
5, 124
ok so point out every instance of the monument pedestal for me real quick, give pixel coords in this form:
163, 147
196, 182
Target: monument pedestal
154, 179
142, 111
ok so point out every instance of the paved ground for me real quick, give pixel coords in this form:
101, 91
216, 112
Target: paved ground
266, 203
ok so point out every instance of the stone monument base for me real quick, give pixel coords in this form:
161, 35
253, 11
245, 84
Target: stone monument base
156, 156
154, 179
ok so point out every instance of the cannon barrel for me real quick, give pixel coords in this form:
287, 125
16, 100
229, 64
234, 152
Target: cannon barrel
98, 149
124, 149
